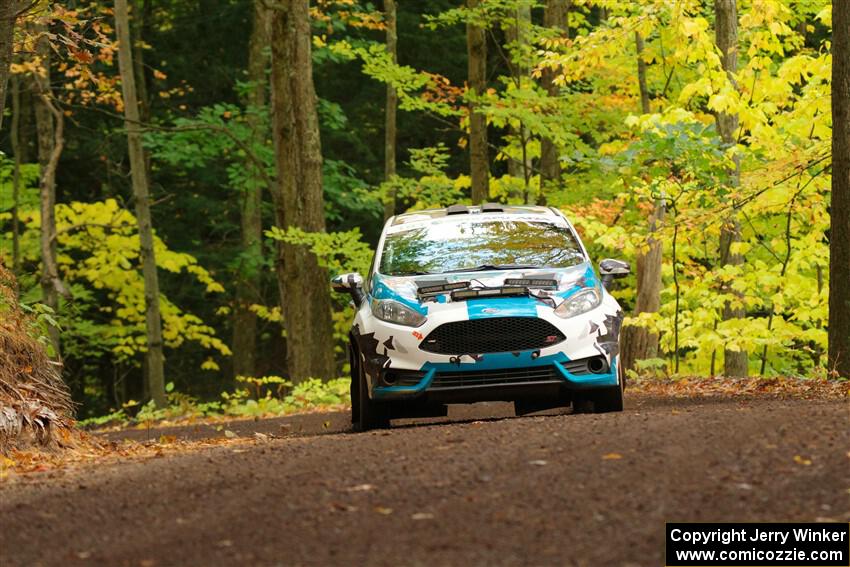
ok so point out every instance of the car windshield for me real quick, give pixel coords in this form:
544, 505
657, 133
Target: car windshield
469, 245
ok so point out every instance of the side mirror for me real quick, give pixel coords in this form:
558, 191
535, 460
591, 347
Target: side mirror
613, 269
351, 284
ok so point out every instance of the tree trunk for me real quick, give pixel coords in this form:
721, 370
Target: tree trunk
50, 127
839, 234
249, 275
554, 16
15, 135
141, 193
518, 34
726, 36
139, 25
298, 197
390, 128
479, 167
640, 343
641, 67
8, 13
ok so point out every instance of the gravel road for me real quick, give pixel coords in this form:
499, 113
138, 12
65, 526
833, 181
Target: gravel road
478, 488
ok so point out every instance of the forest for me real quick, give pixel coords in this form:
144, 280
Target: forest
179, 180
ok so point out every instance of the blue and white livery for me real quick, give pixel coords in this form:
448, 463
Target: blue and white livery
480, 303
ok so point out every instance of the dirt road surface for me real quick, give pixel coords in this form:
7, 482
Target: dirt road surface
477, 488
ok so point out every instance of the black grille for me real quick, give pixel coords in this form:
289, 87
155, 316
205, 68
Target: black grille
504, 377
494, 334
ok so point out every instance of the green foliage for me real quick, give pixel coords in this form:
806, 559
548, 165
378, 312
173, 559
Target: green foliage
208, 150
267, 396
99, 259
649, 368
431, 187
339, 252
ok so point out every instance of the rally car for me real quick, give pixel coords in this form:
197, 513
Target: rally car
482, 303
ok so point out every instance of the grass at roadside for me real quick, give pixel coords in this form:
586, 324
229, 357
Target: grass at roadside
269, 396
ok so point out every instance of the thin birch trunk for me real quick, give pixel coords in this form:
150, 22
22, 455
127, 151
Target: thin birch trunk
390, 128
153, 321
50, 132
641, 67
555, 16
479, 167
735, 362
249, 277
16, 175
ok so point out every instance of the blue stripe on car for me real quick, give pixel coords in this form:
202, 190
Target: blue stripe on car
502, 307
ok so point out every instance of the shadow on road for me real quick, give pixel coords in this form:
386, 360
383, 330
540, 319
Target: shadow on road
315, 424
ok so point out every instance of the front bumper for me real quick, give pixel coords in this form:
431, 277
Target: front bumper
446, 382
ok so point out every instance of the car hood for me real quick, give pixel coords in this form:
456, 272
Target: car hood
404, 288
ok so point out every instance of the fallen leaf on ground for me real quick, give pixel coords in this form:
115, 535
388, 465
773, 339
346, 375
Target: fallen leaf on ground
781, 387
422, 516
611, 456
361, 488
383, 511
802, 460
538, 463
229, 434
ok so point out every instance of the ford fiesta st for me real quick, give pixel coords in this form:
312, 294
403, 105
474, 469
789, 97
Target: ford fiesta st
482, 303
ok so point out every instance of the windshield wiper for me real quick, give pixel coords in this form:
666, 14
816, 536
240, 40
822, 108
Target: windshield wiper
487, 267
411, 273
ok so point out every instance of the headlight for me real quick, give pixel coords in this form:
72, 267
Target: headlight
395, 312
581, 302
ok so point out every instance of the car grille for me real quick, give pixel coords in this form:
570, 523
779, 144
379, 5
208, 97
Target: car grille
494, 334
506, 377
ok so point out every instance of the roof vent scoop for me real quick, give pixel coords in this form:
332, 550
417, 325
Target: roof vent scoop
492, 208
457, 210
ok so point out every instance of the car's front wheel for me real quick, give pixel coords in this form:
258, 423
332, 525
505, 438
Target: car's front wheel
608, 399
602, 400
366, 414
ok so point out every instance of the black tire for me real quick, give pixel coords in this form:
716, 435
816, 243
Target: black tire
369, 414
602, 400
582, 402
354, 388
610, 399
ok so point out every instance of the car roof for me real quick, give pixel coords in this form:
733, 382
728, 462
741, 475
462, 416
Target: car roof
465, 211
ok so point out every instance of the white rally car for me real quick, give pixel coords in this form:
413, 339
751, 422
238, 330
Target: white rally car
482, 303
